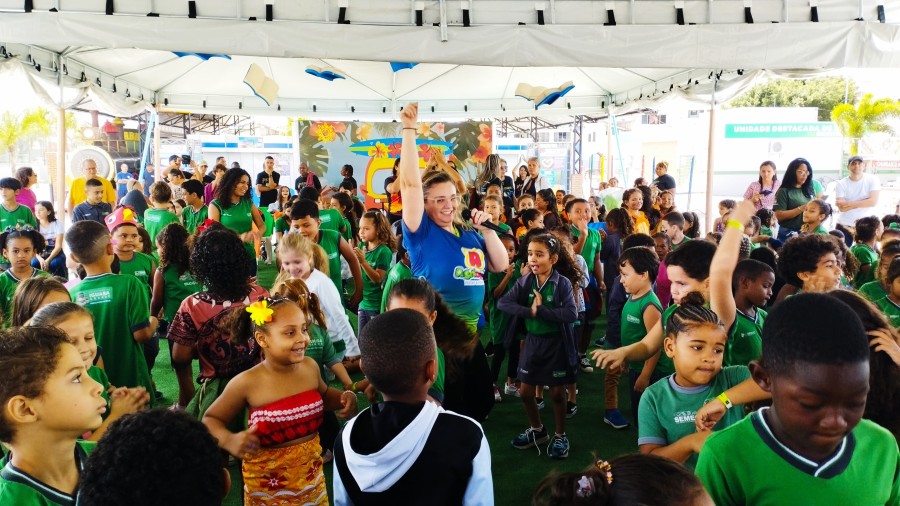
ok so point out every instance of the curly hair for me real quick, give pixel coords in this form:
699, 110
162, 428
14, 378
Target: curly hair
802, 254
225, 190
154, 457
382, 228
28, 356
565, 263
219, 262
173, 247
37, 239
620, 219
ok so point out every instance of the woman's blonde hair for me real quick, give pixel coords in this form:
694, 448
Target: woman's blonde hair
296, 243
296, 290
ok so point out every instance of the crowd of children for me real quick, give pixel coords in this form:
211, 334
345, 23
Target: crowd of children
782, 352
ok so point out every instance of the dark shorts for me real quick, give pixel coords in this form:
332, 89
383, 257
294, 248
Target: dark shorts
546, 361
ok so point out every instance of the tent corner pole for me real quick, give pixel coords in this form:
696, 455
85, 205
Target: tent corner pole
59, 188
710, 155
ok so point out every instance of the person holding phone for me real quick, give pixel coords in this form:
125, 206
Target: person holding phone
762, 192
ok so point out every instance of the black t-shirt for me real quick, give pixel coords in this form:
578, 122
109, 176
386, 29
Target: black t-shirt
350, 182
664, 182
300, 182
267, 197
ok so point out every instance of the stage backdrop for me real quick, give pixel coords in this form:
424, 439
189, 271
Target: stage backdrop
371, 149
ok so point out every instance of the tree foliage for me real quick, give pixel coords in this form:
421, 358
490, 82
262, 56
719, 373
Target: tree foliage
17, 128
868, 116
824, 94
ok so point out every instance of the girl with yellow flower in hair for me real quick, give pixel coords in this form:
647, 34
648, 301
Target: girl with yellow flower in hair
286, 398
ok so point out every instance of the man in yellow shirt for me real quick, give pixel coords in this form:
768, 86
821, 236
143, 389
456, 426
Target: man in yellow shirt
77, 193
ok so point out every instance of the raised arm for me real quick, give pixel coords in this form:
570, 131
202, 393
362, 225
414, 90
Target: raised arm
408, 171
721, 270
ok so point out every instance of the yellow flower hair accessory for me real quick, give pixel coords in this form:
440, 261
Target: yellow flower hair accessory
260, 312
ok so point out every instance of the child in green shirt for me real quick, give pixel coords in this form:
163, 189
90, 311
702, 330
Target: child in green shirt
123, 228
867, 229
811, 446
814, 216
496, 285
400, 271
13, 214
196, 212
48, 402
374, 255
19, 247
889, 304
159, 215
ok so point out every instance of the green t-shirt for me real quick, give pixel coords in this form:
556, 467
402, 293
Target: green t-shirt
140, 266
320, 348
283, 224
238, 218
331, 219
120, 306
632, 327
21, 489
499, 320
397, 273
330, 241
17, 218
591, 246
866, 256
890, 309
378, 258
872, 291
745, 464
8, 285
100, 376
667, 411
764, 230
346, 230
193, 219
745, 338
178, 286
820, 230
539, 326
438, 385
155, 220
684, 241
787, 199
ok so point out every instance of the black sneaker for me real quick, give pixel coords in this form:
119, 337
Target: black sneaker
540, 402
571, 409
531, 438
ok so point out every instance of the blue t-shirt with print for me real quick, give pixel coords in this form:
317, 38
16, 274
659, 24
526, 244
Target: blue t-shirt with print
455, 266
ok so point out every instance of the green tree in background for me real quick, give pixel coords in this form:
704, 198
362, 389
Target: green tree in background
18, 128
867, 116
824, 94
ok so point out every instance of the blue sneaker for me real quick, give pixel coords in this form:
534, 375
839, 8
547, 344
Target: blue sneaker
614, 419
531, 438
559, 447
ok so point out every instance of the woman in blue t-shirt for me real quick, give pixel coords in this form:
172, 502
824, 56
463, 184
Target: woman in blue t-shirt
442, 248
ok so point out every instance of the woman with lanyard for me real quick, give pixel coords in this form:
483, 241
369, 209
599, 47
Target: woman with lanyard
442, 249
762, 192
797, 189
535, 182
233, 207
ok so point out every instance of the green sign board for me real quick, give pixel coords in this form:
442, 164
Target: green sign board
780, 130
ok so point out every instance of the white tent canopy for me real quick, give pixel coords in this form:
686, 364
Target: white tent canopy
468, 71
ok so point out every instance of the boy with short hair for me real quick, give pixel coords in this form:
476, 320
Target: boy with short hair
673, 227
407, 450
329, 219
811, 446
638, 268
588, 245
123, 229
13, 214
195, 212
120, 305
93, 208
184, 467
305, 220
868, 229
157, 217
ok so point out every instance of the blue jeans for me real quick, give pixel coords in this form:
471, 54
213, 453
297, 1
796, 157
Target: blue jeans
364, 317
784, 232
57, 266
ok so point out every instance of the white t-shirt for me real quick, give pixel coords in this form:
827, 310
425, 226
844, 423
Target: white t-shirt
854, 191
335, 318
51, 232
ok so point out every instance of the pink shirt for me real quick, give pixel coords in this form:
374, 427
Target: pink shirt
663, 288
27, 198
765, 201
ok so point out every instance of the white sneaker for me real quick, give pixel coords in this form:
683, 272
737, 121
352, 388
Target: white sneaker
511, 389
497, 396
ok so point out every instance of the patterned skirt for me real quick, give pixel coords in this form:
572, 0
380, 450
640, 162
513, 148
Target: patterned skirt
285, 476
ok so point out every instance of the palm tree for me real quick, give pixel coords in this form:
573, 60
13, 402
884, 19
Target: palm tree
15, 128
866, 117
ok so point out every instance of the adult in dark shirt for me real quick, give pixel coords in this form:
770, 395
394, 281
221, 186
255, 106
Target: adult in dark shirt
349, 181
495, 169
306, 178
663, 180
392, 190
267, 183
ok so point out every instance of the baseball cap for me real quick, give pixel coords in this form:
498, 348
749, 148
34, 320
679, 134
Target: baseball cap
855, 159
122, 216
203, 163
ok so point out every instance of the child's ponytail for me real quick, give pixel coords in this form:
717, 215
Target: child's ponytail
308, 302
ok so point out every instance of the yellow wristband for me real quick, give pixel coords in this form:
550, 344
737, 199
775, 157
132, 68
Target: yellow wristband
735, 224
725, 400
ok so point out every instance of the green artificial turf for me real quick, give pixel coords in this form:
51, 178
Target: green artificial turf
516, 472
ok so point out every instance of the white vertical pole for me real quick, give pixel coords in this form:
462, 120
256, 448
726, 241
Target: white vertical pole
710, 156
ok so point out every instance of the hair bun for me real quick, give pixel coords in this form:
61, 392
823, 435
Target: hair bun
693, 299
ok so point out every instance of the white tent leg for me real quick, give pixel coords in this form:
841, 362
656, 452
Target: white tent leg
59, 189
710, 156
157, 142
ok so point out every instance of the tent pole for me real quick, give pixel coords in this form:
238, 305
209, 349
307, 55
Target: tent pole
710, 155
59, 188
157, 141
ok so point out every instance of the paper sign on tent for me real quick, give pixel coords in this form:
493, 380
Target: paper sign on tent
543, 96
262, 85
